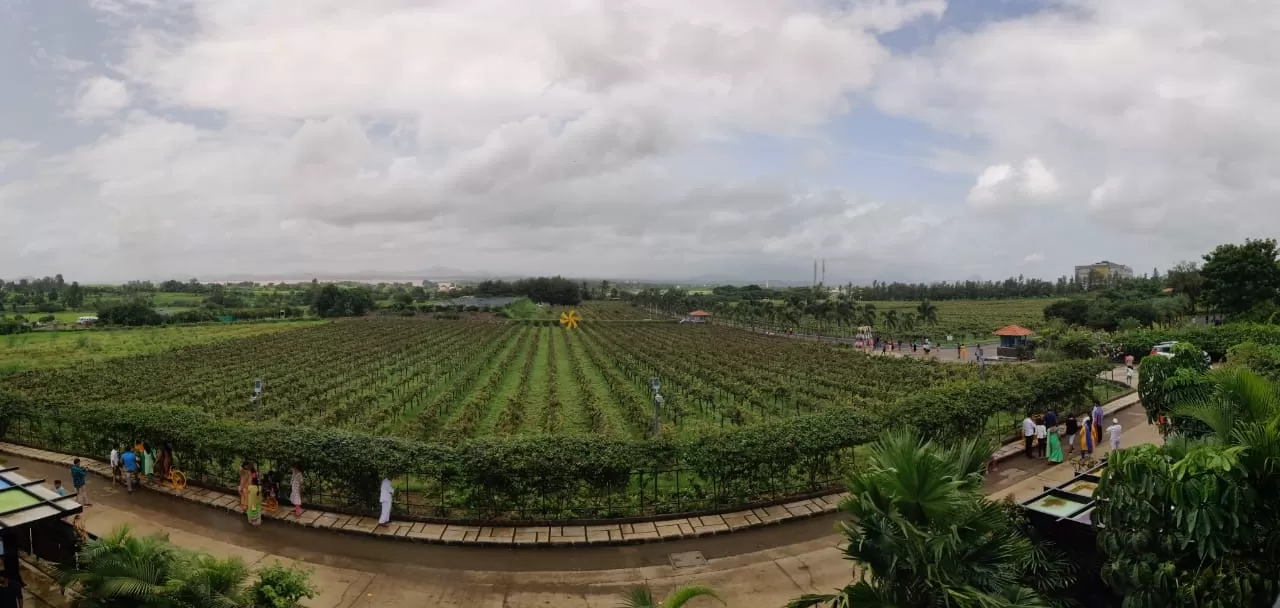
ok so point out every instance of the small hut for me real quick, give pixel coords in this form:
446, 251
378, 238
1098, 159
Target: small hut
1013, 340
699, 316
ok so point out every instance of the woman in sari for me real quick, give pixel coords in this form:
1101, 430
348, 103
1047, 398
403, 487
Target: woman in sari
253, 496
148, 464
1055, 446
295, 489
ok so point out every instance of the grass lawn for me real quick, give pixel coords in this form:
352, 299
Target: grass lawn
41, 349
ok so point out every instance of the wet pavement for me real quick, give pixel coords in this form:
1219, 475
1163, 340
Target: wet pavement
355, 551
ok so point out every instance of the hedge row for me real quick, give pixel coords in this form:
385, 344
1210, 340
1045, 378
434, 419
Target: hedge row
1215, 340
564, 477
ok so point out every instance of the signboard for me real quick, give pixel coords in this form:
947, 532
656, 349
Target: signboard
257, 386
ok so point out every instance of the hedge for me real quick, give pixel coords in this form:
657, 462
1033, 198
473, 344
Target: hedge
539, 478
1215, 340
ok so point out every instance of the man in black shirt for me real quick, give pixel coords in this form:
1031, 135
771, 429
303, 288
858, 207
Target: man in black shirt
1073, 427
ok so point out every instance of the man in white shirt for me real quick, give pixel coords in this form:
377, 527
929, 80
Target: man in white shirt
1113, 433
384, 497
1028, 435
115, 464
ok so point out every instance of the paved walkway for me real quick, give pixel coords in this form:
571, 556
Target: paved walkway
354, 572
562, 536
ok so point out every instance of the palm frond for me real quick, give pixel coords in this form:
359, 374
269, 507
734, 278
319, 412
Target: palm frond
638, 597
681, 595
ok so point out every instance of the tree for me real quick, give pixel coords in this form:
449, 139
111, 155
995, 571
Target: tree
1236, 278
334, 301
1185, 279
133, 313
928, 312
73, 297
121, 570
642, 597
924, 535
1194, 522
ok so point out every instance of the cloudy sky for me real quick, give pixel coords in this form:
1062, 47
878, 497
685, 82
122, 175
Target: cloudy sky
898, 139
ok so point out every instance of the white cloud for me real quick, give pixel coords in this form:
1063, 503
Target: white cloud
1033, 258
510, 136
1154, 115
14, 151
100, 97
639, 138
1031, 183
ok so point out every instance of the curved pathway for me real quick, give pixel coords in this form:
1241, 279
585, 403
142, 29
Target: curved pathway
764, 566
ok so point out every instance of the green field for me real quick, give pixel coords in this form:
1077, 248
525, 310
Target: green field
453, 380
45, 349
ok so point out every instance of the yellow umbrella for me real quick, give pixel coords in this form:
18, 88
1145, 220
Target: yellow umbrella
570, 319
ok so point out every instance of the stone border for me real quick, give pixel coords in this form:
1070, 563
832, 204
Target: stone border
499, 536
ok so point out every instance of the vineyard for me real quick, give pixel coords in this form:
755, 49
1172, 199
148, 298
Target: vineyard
454, 380
520, 420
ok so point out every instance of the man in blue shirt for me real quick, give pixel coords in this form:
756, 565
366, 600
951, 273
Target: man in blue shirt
77, 482
130, 462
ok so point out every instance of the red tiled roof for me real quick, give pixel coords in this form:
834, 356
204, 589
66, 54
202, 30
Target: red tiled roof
1012, 330
699, 313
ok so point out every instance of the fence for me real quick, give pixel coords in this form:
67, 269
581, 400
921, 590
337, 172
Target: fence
638, 495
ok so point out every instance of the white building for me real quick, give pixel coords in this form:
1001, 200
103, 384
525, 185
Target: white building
1105, 271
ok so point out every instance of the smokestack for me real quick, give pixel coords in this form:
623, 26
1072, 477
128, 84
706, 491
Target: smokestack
824, 271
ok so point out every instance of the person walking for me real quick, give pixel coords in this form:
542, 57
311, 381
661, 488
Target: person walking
1086, 438
1097, 414
129, 462
1113, 434
148, 464
295, 489
1051, 419
384, 496
1054, 454
1072, 426
964, 352
77, 482
246, 475
1042, 438
1128, 376
114, 458
253, 502
1028, 436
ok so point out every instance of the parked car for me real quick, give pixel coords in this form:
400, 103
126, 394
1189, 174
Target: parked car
1165, 349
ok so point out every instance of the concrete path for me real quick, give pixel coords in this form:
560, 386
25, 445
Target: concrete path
383, 575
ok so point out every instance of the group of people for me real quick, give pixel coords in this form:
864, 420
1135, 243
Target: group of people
142, 464
1044, 437
254, 489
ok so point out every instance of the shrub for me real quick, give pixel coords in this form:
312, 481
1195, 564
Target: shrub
1215, 340
280, 586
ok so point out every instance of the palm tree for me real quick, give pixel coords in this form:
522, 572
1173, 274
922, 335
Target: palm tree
122, 570
642, 597
867, 315
125, 571
1240, 408
908, 322
928, 312
203, 581
891, 321
924, 535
